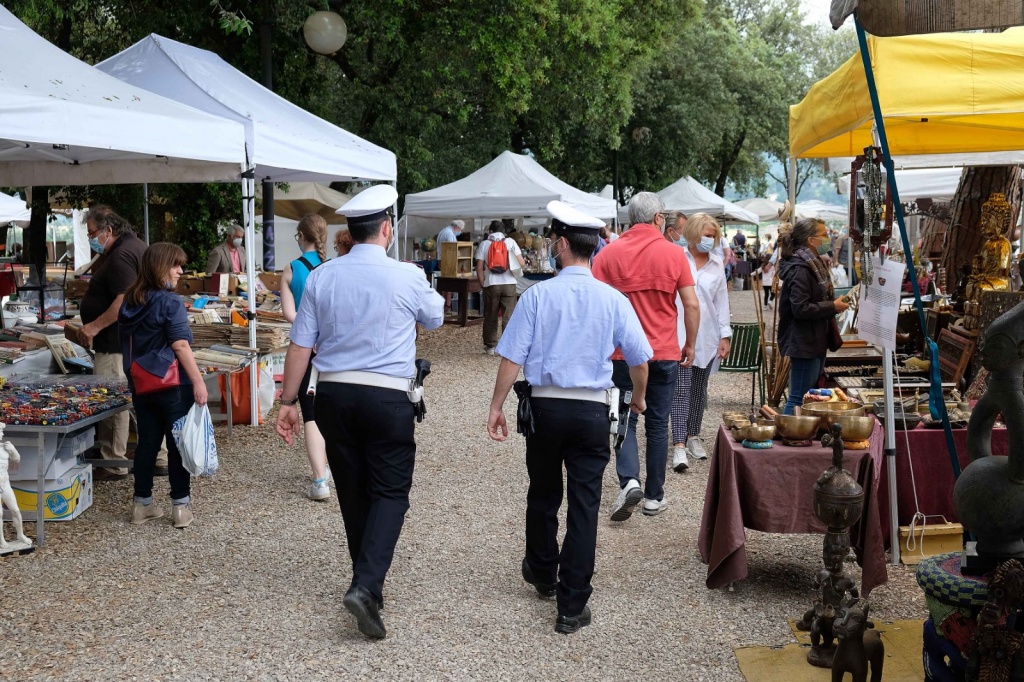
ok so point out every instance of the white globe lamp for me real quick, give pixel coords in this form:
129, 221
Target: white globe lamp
325, 32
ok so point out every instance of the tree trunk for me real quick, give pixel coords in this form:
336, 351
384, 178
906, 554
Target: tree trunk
964, 236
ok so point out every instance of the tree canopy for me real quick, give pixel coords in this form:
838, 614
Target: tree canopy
664, 88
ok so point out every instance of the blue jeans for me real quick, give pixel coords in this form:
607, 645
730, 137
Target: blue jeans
803, 376
661, 388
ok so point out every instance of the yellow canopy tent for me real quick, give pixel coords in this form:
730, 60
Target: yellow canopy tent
940, 94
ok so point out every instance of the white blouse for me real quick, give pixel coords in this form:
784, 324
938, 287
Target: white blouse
713, 294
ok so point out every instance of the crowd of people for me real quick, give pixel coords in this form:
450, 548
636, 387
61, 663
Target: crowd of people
633, 325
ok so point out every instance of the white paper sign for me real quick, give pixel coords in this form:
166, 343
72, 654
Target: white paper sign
880, 303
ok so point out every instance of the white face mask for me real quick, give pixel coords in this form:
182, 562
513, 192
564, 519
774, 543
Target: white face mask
237, 241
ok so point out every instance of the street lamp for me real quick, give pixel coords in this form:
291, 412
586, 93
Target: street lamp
325, 32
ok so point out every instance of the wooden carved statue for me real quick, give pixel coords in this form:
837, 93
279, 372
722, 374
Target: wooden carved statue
858, 644
992, 272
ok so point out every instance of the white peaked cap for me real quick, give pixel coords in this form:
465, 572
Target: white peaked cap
572, 217
376, 199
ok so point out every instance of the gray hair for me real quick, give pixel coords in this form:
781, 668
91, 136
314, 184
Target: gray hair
644, 207
233, 229
458, 224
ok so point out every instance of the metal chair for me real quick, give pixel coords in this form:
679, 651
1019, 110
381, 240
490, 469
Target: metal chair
745, 356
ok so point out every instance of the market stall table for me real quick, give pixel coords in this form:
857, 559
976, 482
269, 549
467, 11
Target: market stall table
933, 472
44, 462
770, 491
463, 286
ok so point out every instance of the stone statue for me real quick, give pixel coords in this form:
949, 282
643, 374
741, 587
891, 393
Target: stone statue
992, 272
989, 495
9, 455
859, 644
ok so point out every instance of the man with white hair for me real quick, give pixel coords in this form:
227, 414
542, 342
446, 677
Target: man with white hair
450, 233
651, 271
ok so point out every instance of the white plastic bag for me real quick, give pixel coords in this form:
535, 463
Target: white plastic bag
266, 391
193, 434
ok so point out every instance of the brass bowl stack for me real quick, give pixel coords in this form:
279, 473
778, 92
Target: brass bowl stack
759, 434
828, 411
729, 417
855, 428
797, 428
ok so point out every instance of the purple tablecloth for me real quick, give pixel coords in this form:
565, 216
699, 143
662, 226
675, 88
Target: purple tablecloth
770, 491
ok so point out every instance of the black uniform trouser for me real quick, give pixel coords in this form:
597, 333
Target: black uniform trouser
574, 433
371, 448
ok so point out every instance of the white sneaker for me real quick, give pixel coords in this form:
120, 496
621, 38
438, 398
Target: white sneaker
679, 463
488, 350
696, 448
654, 507
319, 491
629, 497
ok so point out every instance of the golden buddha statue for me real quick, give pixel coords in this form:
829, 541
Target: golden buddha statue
992, 270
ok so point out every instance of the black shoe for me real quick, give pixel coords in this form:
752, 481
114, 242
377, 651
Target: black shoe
159, 471
102, 474
361, 604
545, 590
570, 624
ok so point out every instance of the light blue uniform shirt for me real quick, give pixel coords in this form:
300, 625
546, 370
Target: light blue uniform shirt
564, 331
361, 311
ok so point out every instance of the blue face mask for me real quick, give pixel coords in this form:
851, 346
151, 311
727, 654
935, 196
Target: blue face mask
706, 244
682, 242
94, 244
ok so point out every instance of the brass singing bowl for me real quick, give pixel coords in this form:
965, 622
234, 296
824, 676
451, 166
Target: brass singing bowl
759, 434
765, 421
827, 411
854, 427
740, 432
793, 427
728, 418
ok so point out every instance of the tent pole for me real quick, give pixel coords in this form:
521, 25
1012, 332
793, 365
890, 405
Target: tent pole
249, 224
145, 210
792, 182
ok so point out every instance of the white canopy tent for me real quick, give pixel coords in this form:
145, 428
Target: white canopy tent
285, 142
14, 210
821, 210
689, 196
938, 184
62, 122
766, 209
510, 186
306, 197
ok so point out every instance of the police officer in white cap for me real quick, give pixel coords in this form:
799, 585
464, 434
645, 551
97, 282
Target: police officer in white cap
360, 312
562, 335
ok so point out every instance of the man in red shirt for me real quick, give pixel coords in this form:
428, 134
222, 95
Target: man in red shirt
651, 271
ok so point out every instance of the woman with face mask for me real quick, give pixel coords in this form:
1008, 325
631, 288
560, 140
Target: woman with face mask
806, 306
155, 337
700, 234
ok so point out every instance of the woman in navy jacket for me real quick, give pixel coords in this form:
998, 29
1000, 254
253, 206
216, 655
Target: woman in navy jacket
806, 305
154, 335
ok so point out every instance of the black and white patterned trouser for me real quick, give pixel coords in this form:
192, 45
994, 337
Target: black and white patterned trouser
689, 401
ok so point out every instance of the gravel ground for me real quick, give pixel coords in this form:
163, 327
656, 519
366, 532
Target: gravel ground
253, 589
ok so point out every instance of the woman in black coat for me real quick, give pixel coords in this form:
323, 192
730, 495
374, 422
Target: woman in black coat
806, 305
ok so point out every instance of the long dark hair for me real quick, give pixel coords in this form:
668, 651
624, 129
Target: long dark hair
802, 230
157, 261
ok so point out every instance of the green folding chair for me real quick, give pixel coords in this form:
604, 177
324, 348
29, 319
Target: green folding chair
745, 356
